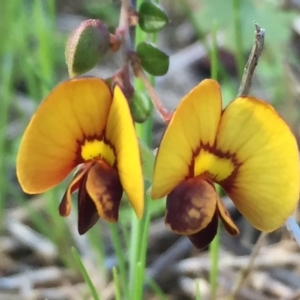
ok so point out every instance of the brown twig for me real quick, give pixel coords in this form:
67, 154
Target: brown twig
244, 274
123, 28
257, 47
126, 6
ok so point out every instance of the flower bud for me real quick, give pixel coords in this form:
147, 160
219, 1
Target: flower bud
140, 107
86, 45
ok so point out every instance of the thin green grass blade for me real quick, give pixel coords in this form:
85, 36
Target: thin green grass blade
120, 253
85, 275
215, 245
156, 289
117, 284
198, 293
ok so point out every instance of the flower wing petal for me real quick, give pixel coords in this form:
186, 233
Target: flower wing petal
121, 134
224, 215
66, 202
48, 152
194, 124
265, 184
104, 188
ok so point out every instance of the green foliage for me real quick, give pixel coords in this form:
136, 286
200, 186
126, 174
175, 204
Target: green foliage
86, 45
152, 17
268, 15
148, 159
32, 63
103, 10
153, 60
85, 274
140, 107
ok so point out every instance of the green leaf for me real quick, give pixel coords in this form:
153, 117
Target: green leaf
152, 17
85, 274
153, 60
148, 160
86, 45
140, 107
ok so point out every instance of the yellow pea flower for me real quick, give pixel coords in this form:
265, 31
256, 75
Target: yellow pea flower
83, 124
247, 148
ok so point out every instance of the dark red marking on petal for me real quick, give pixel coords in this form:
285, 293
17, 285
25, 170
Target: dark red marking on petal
204, 237
87, 212
227, 183
90, 138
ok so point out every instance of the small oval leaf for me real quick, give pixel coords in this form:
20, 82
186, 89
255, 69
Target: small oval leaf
140, 107
153, 60
86, 45
152, 17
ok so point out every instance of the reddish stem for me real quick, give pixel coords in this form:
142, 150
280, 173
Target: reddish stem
139, 72
122, 79
122, 33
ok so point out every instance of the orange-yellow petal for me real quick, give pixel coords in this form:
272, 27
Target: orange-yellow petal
121, 133
265, 184
193, 126
75, 109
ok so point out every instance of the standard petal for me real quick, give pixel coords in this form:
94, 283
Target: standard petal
104, 187
265, 183
50, 148
193, 126
191, 206
120, 132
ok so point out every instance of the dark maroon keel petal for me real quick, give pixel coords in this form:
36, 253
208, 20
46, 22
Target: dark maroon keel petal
191, 206
204, 237
104, 188
87, 212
